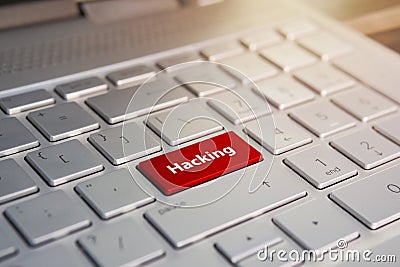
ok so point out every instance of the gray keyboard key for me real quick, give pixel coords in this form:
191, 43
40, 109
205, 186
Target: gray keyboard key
113, 194
14, 181
248, 67
245, 241
138, 101
367, 148
47, 217
321, 166
81, 88
15, 137
124, 243
317, 226
222, 50
390, 128
297, 28
64, 162
284, 92
125, 143
63, 121
205, 79
26, 101
322, 118
239, 106
7, 247
364, 104
177, 60
374, 200
131, 76
206, 220
288, 56
184, 123
260, 39
324, 78
287, 134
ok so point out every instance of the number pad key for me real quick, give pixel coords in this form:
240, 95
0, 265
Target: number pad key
113, 194
364, 104
63, 121
323, 118
321, 166
47, 217
124, 243
367, 148
64, 162
124, 143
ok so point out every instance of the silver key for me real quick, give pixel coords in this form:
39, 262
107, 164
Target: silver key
131, 76
14, 181
205, 79
240, 106
390, 128
325, 45
364, 104
15, 137
248, 67
367, 148
321, 166
47, 217
124, 143
257, 40
123, 243
81, 88
287, 135
288, 56
222, 50
297, 28
208, 219
284, 92
184, 123
7, 247
64, 162
26, 101
113, 194
317, 226
245, 241
63, 121
175, 62
322, 118
324, 79
138, 101
373, 200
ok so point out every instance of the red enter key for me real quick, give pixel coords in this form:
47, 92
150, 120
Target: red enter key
199, 163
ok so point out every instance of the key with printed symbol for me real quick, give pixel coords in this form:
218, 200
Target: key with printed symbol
124, 143
376, 211
324, 78
132, 75
260, 39
322, 118
288, 56
47, 217
123, 243
7, 247
364, 104
321, 166
222, 50
284, 92
15, 137
80, 88
367, 148
64, 162
297, 28
113, 194
63, 121
26, 101
287, 135
239, 106
390, 128
14, 181
317, 227
184, 123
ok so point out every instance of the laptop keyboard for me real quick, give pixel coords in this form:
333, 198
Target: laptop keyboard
82, 136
